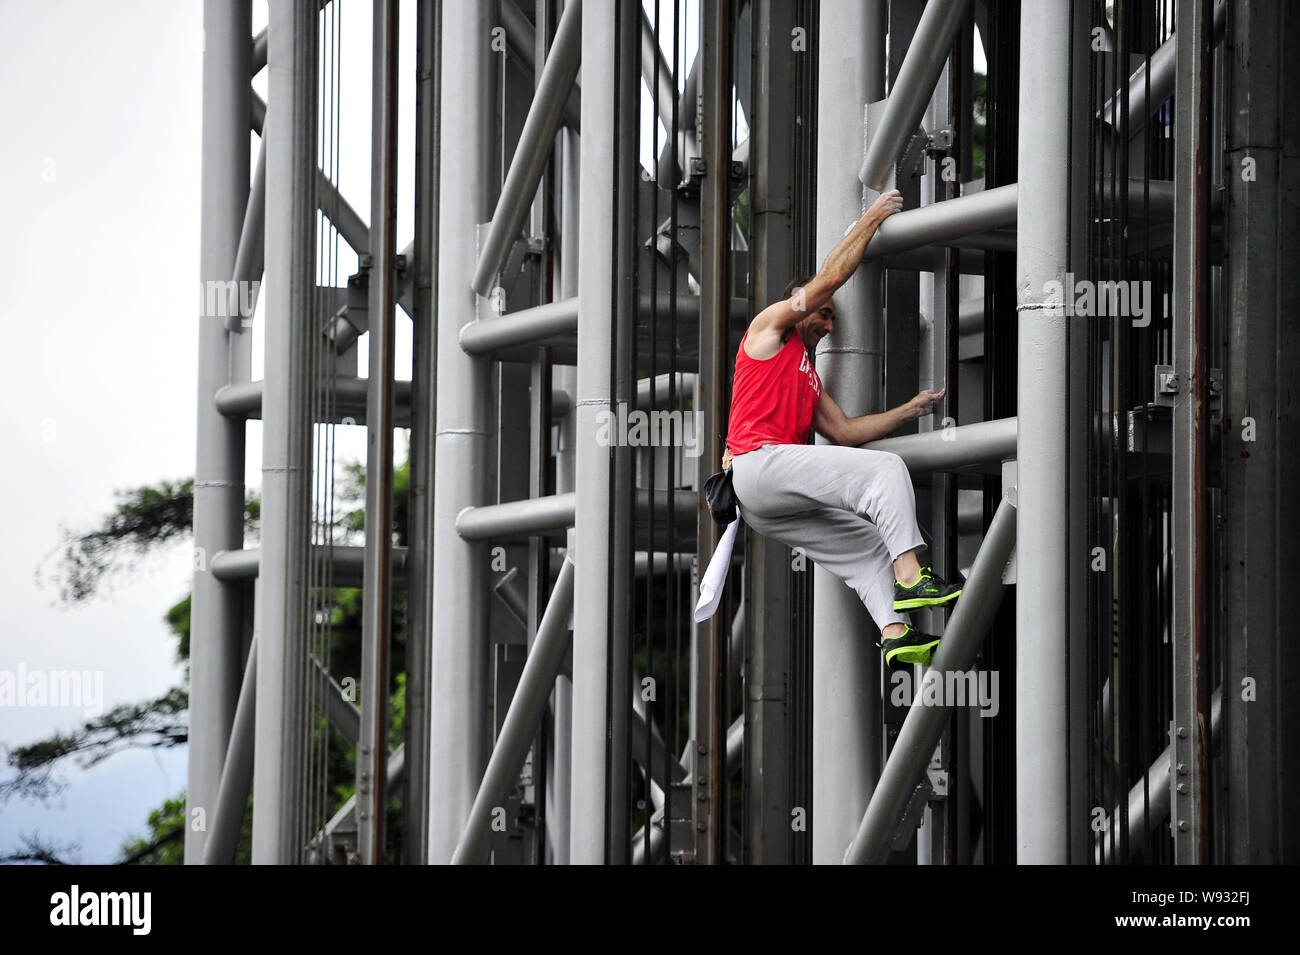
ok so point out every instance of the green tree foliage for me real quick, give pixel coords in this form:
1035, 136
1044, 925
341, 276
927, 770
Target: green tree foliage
142, 520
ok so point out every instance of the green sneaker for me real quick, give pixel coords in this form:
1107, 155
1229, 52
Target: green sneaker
929, 591
911, 646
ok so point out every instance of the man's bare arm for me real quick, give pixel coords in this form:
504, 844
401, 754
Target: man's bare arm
831, 422
835, 271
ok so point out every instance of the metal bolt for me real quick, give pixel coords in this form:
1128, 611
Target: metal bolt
1182, 769
703, 749
702, 796
1182, 787
1182, 826
702, 780
699, 826
1182, 732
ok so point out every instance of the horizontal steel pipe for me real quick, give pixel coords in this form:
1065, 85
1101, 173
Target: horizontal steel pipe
555, 512
942, 222
986, 443
345, 560
244, 400
926, 721
526, 327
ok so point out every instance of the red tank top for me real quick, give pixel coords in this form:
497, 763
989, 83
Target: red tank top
772, 400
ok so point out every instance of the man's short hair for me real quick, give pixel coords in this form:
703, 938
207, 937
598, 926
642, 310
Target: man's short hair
797, 282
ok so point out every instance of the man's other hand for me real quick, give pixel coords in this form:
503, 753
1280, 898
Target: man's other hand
886, 204
726, 459
923, 404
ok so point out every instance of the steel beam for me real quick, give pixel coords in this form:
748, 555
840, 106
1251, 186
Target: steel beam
377, 591
926, 721
459, 716
913, 88
708, 716
219, 464
594, 391
1042, 782
1190, 632
846, 665
281, 735
227, 818
534, 148
983, 446
942, 223
522, 719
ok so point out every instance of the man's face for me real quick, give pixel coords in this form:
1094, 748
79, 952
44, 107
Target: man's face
817, 325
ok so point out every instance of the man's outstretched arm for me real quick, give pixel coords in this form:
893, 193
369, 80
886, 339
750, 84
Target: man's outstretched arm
832, 424
835, 271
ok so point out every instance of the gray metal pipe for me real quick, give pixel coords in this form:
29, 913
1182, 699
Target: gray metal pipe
377, 590
594, 391
1043, 466
244, 400
236, 773
1154, 793
1161, 66
984, 445
522, 38
250, 259
522, 718
424, 414
912, 89
338, 210
219, 442
534, 148
940, 223
846, 720
347, 562
341, 712
652, 60
925, 722
281, 733
554, 512
525, 327
460, 728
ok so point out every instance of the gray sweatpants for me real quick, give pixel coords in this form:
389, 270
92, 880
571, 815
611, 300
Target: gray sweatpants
851, 510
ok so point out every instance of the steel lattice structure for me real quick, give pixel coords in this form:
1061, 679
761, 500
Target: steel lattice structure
1094, 258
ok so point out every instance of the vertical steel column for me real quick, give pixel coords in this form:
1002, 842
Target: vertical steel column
424, 414
290, 135
591, 602
565, 379
1191, 304
219, 468
377, 592
709, 651
767, 562
459, 730
1042, 469
1078, 555
626, 181
1261, 235
846, 663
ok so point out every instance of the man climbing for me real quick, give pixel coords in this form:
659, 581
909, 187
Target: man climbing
851, 510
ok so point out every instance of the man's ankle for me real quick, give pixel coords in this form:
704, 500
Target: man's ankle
893, 630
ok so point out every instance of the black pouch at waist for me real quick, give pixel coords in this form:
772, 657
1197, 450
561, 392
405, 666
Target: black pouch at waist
721, 497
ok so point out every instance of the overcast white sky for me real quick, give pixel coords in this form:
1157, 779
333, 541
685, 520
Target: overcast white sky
99, 192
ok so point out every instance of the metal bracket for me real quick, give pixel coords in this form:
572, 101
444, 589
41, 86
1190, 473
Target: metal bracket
1167, 385
916, 804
